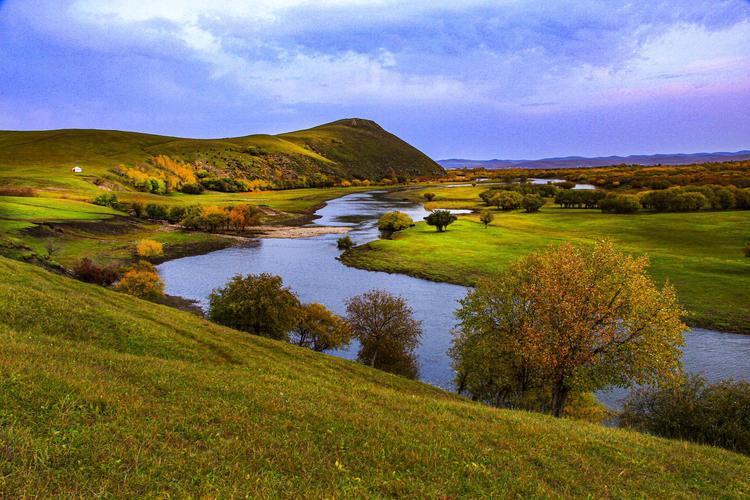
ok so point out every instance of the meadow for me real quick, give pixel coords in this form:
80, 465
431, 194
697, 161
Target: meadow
700, 253
103, 393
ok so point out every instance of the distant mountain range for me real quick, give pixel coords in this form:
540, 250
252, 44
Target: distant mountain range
580, 161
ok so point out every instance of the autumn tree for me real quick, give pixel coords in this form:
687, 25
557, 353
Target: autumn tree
391, 222
142, 281
486, 217
149, 248
259, 304
571, 319
386, 330
320, 330
241, 216
440, 219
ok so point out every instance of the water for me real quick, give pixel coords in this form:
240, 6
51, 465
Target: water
310, 267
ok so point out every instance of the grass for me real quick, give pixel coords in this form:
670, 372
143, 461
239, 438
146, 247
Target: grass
104, 394
700, 253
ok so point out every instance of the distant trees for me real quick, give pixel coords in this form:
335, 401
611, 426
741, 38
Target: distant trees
392, 222
691, 408
440, 219
507, 200
320, 330
242, 215
569, 320
142, 281
386, 330
212, 218
258, 304
620, 204
579, 198
486, 217
107, 200
149, 248
429, 196
532, 203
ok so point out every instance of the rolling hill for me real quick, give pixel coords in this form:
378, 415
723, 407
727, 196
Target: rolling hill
105, 394
602, 161
347, 149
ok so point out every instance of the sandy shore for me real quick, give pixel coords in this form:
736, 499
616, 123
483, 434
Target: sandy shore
296, 231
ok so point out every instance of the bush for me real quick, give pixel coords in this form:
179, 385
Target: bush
149, 248
532, 203
440, 219
688, 202
156, 212
620, 204
142, 281
137, 209
486, 218
391, 222
192, 188
106, 200
690, 408
429, 196
345, 243
176, 214
258, 304
86, 270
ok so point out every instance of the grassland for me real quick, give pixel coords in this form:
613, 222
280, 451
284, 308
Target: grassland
700, 253
104, 394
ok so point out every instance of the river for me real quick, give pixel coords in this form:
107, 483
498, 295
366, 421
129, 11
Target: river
311, 268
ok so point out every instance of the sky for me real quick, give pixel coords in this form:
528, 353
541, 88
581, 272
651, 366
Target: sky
510, 79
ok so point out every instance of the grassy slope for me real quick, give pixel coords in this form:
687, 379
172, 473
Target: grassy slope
103, 393
42, 159
700, 253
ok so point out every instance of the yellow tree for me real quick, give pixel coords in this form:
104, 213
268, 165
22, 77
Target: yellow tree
320, 330
149, 248
141, 280
577, 318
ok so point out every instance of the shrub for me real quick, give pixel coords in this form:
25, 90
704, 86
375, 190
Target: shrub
429, 196
440, 219
620, 204
532, 203
106, 200
258, 304
192, 188
137, 209
345, 243
320, 330
149, 248
142, 281
486, 218
690, 408
156, 212
688, 202
391, 222
86, 270
176, 214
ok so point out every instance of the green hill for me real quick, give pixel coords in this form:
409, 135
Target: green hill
347, 149
104, 394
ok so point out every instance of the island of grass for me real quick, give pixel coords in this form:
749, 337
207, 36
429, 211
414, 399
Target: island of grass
102, 393
700, 252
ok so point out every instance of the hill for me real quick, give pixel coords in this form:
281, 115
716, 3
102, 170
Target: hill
346, 149
602, 161
104, 394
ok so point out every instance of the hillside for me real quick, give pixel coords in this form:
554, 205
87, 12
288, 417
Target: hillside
101, 393
352, 148
601, 161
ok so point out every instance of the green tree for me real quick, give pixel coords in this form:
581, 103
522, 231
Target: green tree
391, 222
486, 217
569, 320
429, 196
320, 330
258, 304
440, 219
386, 330
532, 203
507, 200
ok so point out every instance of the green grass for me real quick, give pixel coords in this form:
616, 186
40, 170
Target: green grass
700, 253
104, 394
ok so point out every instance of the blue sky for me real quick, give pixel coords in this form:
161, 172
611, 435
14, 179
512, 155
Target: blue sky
478, 79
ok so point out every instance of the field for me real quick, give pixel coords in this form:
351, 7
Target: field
102, 393
700, 253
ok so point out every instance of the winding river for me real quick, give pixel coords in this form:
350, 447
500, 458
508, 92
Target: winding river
311, 268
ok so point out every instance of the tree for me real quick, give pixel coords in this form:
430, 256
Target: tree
429, 196
107, 200
345, 242
391, 222
507, 200
532, 203
51, 247
620, 204
243, 215
320, 330
571, 319
486, 217
386, 330
258, 304
440, 219
142, 281
149, 248
86, 270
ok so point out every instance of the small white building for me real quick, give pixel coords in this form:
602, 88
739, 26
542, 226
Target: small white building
77, 169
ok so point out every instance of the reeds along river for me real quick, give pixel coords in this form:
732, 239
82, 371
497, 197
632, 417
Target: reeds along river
310, 267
